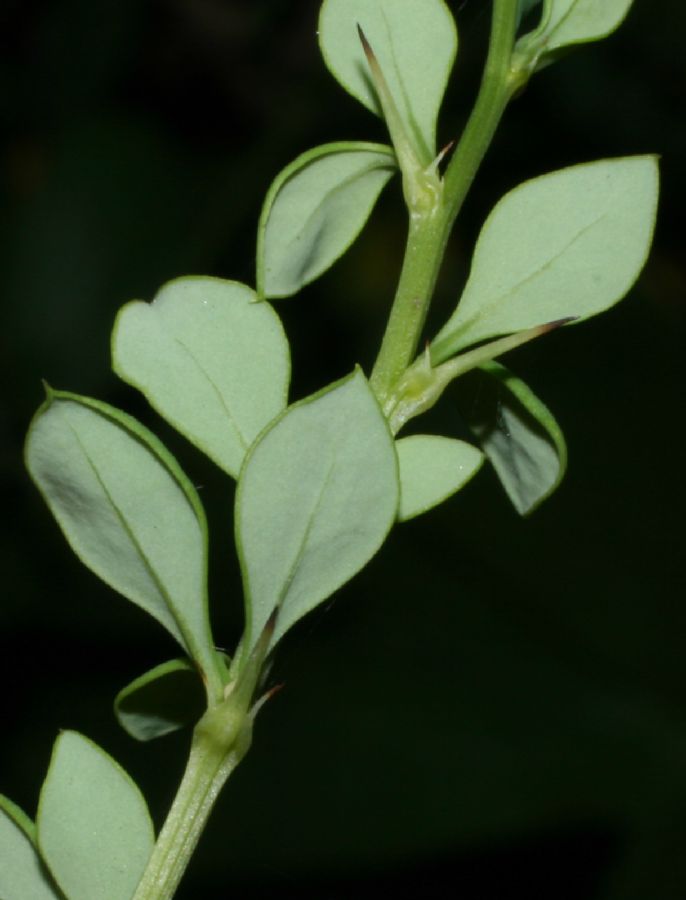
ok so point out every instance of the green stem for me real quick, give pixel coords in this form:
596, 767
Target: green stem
215, 753
429, 230
498, 85
423, 256
423, 383
221, 739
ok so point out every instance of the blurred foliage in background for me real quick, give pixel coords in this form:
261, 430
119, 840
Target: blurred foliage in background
496, 708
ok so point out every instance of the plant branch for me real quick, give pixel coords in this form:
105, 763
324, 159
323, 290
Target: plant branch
430, 228
221, 739
498, 85
209, 765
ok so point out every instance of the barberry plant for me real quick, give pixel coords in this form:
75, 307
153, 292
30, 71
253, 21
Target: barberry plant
322, 480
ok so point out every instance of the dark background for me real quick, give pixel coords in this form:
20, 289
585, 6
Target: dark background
496, 707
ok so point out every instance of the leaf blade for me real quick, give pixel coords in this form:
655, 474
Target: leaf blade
128, 512
518, 434
314, 210
567, 244
431, 469
162, 700
94, 829
316, 498
209, 359
22, 872
581, 21
415, 45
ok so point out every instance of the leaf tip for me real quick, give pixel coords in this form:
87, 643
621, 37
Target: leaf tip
557, 323
260, 702
440, 158
366, 46
270, 627
374, 66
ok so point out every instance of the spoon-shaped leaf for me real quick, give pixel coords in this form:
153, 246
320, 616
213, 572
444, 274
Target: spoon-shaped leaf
23, 875
314, 210
128, 512
568, 244
160, 701
316, 499
415, 45
209, 359
432, 468
517, 432
94, 830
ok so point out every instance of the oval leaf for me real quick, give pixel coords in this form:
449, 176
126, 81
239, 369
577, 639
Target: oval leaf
128, 512
94, 830
23, 875
415, 45
314, 210
517, 432
316, 499
209, 359
432, 468
162, 700
568, 244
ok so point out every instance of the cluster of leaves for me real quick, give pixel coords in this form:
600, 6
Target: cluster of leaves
320, 482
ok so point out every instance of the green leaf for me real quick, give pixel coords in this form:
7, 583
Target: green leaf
22, 873
415, 45
567, 244
580, 21
128, 512
160, 701
209, 359
314, 210
432, 468
517, 432
94, 830
316, 499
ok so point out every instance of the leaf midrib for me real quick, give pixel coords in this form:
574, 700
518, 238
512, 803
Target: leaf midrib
244, 442
190, 644
485, 310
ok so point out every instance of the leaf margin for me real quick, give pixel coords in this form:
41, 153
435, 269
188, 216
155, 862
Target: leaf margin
283, 177
173, 420
138, 432
103, 754
539, 411
250, 639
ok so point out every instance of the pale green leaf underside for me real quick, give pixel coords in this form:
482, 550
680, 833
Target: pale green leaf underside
316, 498
209, 359
22, 873
519, 435
314, 210
415, 44
160, 701
127, 510
432, 468
94, 830
567, 244
579, 21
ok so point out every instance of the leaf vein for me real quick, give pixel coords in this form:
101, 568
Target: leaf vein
178, 620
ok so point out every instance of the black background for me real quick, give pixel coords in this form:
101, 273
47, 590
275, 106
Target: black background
495, 708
